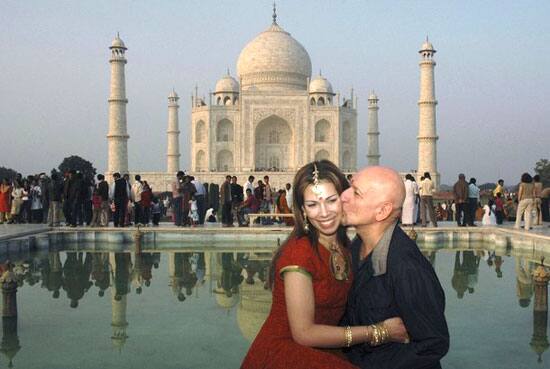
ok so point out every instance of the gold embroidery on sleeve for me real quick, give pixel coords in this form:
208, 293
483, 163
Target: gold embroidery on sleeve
294, 268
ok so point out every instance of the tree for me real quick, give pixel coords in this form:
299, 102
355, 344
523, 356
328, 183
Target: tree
542, 168
7, 173
79, 164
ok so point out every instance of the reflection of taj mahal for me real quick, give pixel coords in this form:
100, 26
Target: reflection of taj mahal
275, 118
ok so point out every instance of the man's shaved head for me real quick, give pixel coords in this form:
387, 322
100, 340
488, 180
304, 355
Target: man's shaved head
376, 195
385, 183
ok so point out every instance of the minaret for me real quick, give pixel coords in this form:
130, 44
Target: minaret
119, 306
427, 136
373, 154
118, 136
173, 133
539, 342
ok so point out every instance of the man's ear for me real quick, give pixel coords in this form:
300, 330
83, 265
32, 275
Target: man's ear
384, 211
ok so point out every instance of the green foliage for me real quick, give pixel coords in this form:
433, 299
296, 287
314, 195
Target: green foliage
7, 173
542, 168
79, 164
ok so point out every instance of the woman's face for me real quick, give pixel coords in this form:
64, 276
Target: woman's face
323, 207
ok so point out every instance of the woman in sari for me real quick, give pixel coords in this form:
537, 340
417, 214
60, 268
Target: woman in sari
310, 279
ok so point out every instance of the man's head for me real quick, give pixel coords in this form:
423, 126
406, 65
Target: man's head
228, 178
137, 177
266, 179
180, 174
248, 192
234, 179
462, 177
376, 195
501, 182
287, 186
251, 179
116, 176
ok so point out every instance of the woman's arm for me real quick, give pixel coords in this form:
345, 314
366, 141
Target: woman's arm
300, 303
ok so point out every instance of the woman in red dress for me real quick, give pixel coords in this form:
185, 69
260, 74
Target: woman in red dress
310, 278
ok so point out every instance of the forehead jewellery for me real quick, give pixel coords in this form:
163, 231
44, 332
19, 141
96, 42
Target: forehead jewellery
316, 189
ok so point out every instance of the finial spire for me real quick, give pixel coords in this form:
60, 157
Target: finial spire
320, 72
117, 34
427, 39
274, 13
228, 72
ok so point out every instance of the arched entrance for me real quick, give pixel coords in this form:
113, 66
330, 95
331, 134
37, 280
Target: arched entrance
273, 146
322, 155
224, 161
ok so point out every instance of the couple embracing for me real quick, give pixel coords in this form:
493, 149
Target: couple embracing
371, 303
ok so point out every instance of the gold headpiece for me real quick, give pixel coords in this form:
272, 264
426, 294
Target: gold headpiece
316, 189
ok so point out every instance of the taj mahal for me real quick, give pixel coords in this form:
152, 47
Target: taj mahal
270, 119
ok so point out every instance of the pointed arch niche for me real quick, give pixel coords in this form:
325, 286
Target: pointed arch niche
273, 146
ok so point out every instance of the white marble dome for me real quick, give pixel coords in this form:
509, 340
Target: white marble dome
274, 60
227, 84
427, 46
117, 42
320, 85
173, 95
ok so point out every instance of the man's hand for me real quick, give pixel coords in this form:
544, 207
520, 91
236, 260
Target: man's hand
397, 330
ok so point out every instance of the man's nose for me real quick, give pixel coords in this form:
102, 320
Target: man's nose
344, 195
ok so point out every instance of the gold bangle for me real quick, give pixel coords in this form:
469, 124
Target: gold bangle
348, 336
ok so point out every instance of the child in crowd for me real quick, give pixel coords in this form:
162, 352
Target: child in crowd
211, 216
499, 208
489, 214
96, 208
194, 211
155, 211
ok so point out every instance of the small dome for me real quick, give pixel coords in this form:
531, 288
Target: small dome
274, 59
173, 94
373, 96
227, 84
320, 85
427, 46
117, 42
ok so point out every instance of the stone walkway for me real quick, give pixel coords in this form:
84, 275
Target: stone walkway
8, 231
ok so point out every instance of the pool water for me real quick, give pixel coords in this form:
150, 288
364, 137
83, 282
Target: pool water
191, 308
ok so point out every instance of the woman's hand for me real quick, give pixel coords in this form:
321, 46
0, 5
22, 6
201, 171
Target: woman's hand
397, 330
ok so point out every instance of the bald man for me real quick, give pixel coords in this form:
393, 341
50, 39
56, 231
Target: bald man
391, 277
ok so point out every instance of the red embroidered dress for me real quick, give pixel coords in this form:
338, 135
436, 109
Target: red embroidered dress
274, 347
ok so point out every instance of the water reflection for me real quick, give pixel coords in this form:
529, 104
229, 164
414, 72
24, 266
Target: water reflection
237, 282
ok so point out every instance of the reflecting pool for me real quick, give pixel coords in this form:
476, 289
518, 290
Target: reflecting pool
201, 307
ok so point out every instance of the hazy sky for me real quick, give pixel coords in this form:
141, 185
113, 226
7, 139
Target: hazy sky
492, 74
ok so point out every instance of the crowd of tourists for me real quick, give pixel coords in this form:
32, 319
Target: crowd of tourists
530, 203
78, 200
81, 200
194, 203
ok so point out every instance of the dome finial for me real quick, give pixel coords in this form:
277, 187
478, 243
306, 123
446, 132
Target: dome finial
228, 72
274, 13
320, 73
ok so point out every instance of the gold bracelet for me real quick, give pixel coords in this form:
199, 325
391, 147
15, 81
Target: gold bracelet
348, 336
375, 335
368, 337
